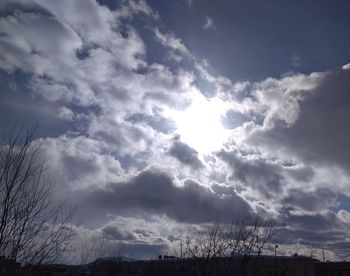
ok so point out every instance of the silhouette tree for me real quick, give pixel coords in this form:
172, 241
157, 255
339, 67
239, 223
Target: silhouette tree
244, 241
241, 238
32, 229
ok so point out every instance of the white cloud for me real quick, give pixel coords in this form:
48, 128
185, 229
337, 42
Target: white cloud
78, 163
135, 7
290, 149
344, 215
172, 42
65, 113
346, 66
209, 23
58, 71
279, 99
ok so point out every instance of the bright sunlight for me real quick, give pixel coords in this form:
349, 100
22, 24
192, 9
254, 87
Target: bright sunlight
200, 125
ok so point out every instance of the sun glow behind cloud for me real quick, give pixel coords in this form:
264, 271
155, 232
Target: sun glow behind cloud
200, 125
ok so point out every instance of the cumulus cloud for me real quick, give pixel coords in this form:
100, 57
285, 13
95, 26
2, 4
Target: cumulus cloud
317, 200
316, 127
65, 113
262, 176
156, 192
86, 69
185, 154
80, 162
64, 67
278, 100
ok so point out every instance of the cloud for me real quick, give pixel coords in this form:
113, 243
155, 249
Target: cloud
317, 200
185, 154
64, 67
189, 3
65, 113
209, 23
77, 163
136, 7
169, 40
278, 100
123, 237
155, 192
346, 66
262, 176
25, 45
114, 233
318, 130
156, 121
321, 231
87, 72
303, 173
296, 60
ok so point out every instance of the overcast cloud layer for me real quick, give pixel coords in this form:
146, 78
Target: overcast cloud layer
102, 80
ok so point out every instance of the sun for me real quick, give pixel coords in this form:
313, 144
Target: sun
199, 126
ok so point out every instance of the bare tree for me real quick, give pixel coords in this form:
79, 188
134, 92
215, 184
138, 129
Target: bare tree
32, 229
239, 240
242, 238
250, 237
209, 243
92, 250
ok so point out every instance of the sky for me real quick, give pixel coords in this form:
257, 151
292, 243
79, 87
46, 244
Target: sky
160, 116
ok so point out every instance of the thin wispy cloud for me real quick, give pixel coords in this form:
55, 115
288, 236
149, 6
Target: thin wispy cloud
209, 23
189, 3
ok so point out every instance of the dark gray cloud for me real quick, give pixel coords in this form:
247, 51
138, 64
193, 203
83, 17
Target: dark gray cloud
99, 78
301, 174
77, 166
259, 174
316, 238
79, 162
185, 154
319, 230
313, 222
320, 199
222, 189
155, 192
321, 133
